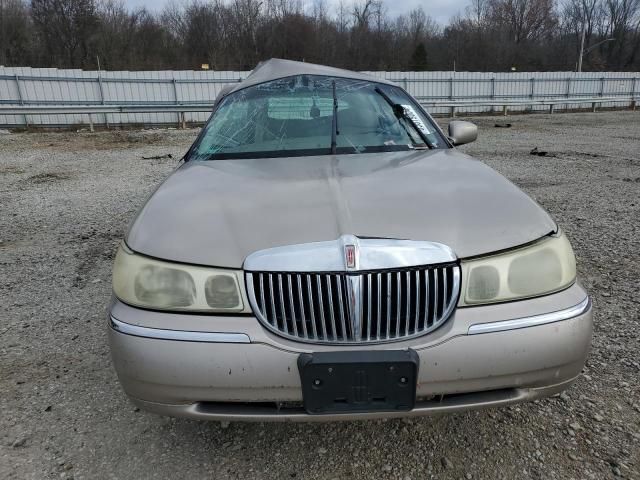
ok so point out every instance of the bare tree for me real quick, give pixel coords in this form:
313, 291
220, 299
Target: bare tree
524, 20
65, 28
623, 21
15, 25
357, 34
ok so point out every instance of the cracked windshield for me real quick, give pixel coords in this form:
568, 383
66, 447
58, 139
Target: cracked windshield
305, 114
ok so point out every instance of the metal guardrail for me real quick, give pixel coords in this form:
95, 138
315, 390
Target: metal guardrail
181, 109
93, 109
68, 97
102, 79
506, 103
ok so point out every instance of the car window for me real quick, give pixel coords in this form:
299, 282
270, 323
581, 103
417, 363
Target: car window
294, 116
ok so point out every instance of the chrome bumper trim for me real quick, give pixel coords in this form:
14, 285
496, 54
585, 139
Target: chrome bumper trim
248, 412
533, 321
180, 335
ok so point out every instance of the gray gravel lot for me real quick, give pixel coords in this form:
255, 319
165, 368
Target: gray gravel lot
66, 199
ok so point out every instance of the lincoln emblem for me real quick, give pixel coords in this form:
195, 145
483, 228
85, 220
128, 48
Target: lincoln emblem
350, 256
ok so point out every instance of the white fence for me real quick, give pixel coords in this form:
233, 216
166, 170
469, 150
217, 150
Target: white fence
166, 92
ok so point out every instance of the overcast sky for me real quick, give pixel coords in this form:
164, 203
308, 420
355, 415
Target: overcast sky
440, 10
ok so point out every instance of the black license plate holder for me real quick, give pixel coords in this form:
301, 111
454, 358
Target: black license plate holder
358, 381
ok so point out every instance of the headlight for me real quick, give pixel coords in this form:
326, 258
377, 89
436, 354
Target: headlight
150, 283
546, 266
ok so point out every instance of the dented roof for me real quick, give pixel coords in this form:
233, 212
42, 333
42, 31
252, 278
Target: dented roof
276, 68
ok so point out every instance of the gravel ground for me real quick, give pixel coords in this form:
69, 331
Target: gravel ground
66, 199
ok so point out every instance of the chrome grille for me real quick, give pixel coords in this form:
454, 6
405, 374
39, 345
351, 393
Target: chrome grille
384, 305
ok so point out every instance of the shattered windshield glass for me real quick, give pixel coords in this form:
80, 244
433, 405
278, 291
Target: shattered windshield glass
293, 116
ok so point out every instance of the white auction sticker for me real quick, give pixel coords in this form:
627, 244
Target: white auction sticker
415, 118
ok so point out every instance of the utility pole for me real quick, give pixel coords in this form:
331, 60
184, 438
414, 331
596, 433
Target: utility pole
581, 47
582, 50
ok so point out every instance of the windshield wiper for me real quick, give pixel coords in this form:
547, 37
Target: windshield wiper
334, 122
400, 112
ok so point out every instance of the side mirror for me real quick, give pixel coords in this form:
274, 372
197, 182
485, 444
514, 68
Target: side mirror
462, 132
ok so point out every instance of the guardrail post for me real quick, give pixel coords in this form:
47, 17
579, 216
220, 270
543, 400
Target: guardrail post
101, 91
21, 99
175, 98
453, 109
532, 91
533, 86
405, 83
504, 110
568, 93
633, 93
91, 129
493, 93
595, 104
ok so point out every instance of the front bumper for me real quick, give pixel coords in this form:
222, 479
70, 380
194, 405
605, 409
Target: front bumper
231, 368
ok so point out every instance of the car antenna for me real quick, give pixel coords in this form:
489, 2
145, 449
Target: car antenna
334, 123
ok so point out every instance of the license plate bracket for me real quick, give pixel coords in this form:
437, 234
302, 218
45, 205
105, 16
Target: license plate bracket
358, 381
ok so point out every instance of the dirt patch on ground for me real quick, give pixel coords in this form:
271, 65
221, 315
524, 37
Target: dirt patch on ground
49, 177
11, 170
63, 141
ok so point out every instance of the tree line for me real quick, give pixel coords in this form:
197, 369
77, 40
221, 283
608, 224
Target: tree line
488, 35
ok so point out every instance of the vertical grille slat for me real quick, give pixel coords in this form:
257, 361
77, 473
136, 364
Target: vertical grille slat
314, 306
274, 318
294, 320
343, 320
334, 332
311, 307
435, 295
389, 276
379, 316
399, 304
444, 284
408, 305
303, 319
283, 312
426, 300
369, 305
261, 289
321, 307
417, 318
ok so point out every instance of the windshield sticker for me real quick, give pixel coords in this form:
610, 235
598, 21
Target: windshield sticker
415, 119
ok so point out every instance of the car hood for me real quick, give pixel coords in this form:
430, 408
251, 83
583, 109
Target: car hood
218, 212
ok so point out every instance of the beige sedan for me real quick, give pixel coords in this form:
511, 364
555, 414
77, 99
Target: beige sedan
324, 252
